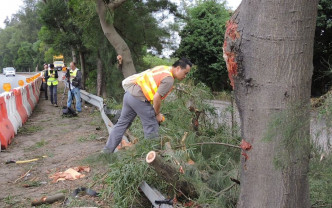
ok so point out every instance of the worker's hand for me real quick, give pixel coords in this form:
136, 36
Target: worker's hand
160, 118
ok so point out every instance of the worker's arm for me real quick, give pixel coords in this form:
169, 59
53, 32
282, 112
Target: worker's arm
156, 106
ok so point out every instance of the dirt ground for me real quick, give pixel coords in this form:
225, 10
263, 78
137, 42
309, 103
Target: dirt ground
66, 142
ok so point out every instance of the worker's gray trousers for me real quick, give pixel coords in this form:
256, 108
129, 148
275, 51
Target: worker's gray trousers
132, 107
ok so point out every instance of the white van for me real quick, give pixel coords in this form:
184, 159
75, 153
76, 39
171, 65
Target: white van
10, 71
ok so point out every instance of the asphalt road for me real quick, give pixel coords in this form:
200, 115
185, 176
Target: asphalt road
12, 80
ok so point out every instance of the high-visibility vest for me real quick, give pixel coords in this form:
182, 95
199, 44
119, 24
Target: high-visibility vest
52, 80
150, 80
73, 74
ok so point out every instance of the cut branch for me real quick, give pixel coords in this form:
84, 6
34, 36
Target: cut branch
170, 174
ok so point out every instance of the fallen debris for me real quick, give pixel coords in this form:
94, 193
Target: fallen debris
48, 199
25, 161
87, 191
70, 174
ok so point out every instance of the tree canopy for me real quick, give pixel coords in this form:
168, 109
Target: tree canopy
202, 40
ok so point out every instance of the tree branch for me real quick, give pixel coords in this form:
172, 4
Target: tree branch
115, 4
217, 143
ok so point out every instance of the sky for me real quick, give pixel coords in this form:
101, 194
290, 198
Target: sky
231, 3
9, 7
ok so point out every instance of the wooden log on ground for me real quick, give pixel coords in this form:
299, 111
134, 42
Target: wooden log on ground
171, 174
48, 199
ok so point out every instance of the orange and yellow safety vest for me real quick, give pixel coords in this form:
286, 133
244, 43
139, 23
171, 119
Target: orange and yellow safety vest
150, 80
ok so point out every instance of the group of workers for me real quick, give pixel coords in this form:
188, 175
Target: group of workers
143, 95
73, 77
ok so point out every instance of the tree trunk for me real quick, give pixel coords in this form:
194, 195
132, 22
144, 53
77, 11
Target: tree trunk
82, 60
73, 54
100, 75
114, 38
268, 49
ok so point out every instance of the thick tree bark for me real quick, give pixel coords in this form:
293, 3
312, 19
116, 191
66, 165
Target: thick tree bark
82, 60
114, 38
269, 50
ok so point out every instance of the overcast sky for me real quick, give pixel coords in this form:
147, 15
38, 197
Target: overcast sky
233, 3
9, 7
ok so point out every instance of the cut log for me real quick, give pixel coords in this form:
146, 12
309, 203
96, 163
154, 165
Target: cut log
171, 174
48, 199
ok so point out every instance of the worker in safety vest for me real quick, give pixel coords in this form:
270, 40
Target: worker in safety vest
75, 77
143, 95
44, 84
52, 82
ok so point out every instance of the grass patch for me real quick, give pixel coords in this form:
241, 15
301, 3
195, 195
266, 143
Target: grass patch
90, 137
29, 129
38, 145
31, 184
10, 200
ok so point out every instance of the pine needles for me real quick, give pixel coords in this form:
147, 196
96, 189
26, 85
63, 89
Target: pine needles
209, 167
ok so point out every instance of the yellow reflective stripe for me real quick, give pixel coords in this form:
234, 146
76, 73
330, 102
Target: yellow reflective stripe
145, 88
168, 70
153, 84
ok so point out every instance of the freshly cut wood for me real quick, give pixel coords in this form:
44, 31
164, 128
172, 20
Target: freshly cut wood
171, 174
48, 199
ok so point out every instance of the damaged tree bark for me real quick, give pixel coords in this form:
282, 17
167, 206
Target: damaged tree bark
171, 174
268, 49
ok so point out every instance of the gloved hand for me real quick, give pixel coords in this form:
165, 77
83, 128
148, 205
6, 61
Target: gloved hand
160, 118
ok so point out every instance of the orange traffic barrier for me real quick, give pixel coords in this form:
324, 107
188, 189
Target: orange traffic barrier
6, 127
12, 113
34, 90
26, 88
19, 105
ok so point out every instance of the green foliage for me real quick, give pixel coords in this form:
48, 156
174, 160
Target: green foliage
59, 28
214, 164
320, 180
150, 61
202, 40
18, 38
321, 80
288, 132
320, 175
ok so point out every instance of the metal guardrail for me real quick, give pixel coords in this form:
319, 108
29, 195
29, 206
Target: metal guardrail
99, 103
152, 194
